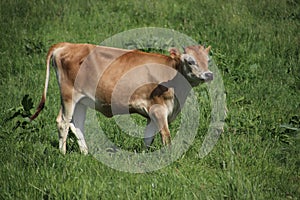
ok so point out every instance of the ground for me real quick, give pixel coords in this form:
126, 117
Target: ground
255, 45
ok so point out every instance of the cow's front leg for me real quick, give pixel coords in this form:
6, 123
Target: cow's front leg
159, 115
150, 132
165, 135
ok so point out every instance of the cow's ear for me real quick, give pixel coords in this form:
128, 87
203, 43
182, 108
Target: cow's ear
174, 52
208, 49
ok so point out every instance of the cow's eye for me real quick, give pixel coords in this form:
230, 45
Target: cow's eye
191, 62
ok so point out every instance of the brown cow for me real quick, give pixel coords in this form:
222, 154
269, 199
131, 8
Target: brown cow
117, 81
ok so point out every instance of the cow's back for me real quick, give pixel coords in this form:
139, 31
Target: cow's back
131, 70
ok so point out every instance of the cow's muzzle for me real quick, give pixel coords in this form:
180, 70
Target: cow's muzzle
207, 76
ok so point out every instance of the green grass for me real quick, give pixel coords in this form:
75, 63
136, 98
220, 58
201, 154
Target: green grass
255, 45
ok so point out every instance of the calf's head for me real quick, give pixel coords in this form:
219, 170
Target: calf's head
195, 61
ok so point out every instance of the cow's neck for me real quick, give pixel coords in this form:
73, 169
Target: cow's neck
181, 87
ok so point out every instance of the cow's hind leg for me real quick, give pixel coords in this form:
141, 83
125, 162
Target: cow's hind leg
63, 124
62, 131
159, 115
77, 126
64, 120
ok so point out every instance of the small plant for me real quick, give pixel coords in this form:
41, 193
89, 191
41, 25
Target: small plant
21, 114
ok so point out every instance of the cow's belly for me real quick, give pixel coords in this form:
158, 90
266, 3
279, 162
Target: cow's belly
103, 108
117, 107
140, 106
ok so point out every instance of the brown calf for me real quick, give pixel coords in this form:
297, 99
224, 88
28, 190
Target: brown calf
117, 81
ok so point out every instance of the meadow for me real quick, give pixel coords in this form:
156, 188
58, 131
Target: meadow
255, 45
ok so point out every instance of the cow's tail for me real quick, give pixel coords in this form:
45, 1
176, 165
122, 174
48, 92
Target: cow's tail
43, 99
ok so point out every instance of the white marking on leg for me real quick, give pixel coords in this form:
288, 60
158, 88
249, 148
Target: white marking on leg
63, 124
77, 126
63, 129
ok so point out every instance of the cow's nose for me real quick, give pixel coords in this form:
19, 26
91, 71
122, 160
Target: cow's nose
208, 76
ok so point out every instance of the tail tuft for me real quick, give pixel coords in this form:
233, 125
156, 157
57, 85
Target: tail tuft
39, 108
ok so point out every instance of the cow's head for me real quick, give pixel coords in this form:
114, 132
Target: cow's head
195, 61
